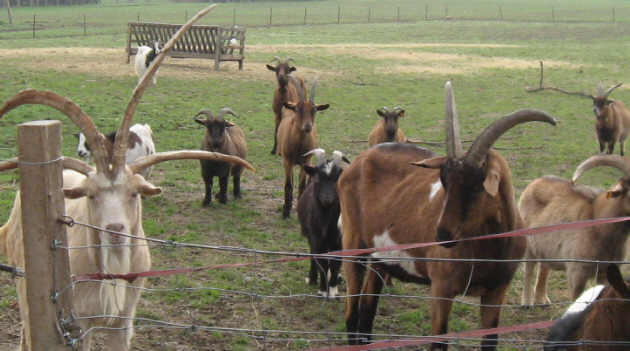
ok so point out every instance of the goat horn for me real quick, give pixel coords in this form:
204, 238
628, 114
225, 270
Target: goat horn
95, 140
227, 110
312, 94
206, 113
610, 90
147, 161
319, 153
120, 143
68, 163
338, 157
616, 161
453, 140
298, 87
493, 132
289, 59
276, 59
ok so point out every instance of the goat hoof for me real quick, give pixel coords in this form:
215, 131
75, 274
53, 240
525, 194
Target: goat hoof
205, 203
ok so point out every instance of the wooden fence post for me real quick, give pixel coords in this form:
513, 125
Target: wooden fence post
270, 15
47, 269
33, 26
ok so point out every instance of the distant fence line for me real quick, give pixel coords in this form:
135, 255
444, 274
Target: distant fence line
92, 24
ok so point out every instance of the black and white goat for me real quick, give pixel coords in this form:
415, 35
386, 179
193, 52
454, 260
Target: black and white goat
140, 144
144, 57
318, 213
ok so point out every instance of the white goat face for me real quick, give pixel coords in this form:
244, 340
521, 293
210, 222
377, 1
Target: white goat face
114, 205
82, 149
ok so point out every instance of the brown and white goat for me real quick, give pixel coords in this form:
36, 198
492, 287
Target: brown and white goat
107, 195
597, 320
385, 201
227, 138
285, 91
612, 122
386, 129
551, 200
297, 135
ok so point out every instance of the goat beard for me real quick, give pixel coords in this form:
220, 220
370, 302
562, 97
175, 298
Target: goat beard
113, 292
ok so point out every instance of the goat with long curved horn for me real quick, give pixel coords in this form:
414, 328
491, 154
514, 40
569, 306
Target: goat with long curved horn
614, 161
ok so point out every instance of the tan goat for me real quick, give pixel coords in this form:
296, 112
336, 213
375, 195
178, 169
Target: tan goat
612, 122
107, 195
297, 135
386, 129
551, 200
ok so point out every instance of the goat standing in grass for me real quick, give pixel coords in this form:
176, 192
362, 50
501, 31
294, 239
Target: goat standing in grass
318, 212
227, 138
551, 200
612, 122
285, 91
144, 56
297, 136
386, 129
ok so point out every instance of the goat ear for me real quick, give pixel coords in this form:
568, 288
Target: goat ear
380, 112
290, 105
616, 280
401, 113
292, 69
322, 107
608, 102
75, 193
271, 68
310, 170
229, 124
149, 189
433, 163
200, 121
615, 192
491, 183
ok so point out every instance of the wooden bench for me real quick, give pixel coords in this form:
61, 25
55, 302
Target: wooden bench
211, 42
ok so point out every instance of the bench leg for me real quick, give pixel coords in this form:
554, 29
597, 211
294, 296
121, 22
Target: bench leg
240, 65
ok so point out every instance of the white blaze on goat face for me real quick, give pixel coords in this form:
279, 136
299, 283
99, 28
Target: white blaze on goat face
584, 300
328, 167
435, 188
385, 240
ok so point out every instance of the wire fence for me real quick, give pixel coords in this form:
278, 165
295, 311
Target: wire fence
111, 18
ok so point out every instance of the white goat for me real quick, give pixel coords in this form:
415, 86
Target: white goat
140, 144
144, 57
106, 196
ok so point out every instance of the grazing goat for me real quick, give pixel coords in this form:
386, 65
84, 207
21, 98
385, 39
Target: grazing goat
297, 136
144, 56
384, 202
318, 212
597, 321
286, 91
612, 121
386, 130
551, 200
105, 196
140, 144
227, 138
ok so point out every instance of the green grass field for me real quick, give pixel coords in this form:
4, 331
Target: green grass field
361, 67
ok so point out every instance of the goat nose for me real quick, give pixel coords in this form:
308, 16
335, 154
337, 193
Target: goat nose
307, 128
115, 227
444, 235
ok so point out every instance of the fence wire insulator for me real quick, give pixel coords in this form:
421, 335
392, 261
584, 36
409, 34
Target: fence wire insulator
67, 220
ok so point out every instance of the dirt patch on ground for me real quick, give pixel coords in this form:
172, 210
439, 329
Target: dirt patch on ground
112, 62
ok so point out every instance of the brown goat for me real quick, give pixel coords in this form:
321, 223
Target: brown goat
597, 321
297, 136
386, 129
285, 91
612, 121
385, 201
227, 138
550, 200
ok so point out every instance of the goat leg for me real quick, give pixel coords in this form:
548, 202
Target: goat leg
440, 310
208, 198
541, 285
490, 311
237, 185
288, 189
354, 273
223, 185
368, 302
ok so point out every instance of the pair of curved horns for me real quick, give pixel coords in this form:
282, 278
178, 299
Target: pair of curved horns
222, 112
605, 94
614, 161
279, 60
482, 144
337, 156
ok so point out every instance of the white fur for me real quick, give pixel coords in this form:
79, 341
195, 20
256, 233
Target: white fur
141, 58
385, 240
328, 167
584, 300
340, 225
435, 188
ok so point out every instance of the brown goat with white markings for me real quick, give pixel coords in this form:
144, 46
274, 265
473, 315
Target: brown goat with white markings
227, 138
297, 135
612, 121
285, 91
386, 201
597, 321
551, 200
386, 129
